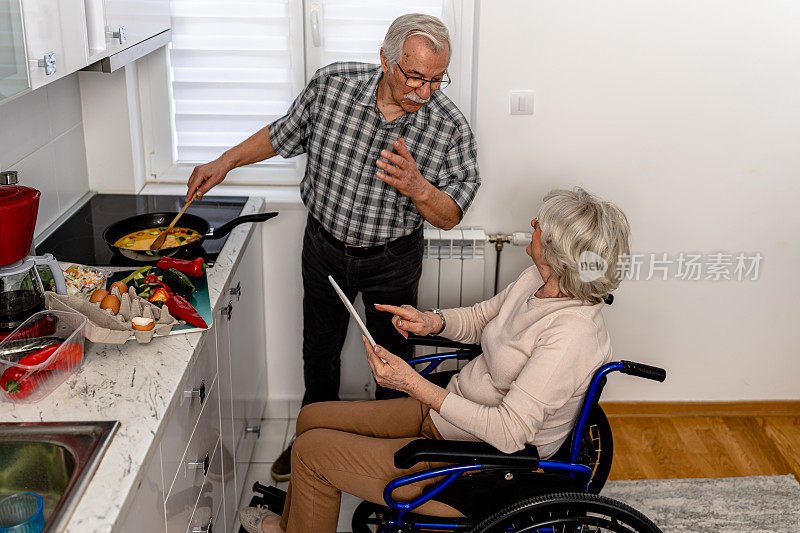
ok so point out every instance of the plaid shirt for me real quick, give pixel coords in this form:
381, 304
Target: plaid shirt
336, 121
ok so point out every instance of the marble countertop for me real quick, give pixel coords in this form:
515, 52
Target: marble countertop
134, 384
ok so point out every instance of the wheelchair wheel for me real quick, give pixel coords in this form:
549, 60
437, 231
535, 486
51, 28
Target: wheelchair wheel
366, 515
568, 512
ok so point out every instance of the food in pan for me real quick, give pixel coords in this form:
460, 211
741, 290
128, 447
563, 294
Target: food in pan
141, 240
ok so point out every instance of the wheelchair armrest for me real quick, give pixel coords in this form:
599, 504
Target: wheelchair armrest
469, 350
456, 451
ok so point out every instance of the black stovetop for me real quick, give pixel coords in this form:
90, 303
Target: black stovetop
80, 238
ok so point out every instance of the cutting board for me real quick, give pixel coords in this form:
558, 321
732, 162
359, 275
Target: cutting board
199, 299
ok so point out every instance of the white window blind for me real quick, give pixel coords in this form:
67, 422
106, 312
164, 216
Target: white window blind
233, 72
234, 66
353, 30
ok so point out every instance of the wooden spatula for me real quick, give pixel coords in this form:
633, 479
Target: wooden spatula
159, 242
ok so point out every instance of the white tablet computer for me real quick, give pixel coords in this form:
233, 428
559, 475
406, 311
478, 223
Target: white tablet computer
352, 311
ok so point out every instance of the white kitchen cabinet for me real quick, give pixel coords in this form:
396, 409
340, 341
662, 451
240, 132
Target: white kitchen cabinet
248, 354
178, 492
55, 38
226, 519
146, 513
129, 22
13, 62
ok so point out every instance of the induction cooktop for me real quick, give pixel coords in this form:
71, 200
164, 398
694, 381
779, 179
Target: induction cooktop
80, 238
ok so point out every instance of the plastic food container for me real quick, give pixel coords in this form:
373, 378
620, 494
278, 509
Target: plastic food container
22, 512
40, 354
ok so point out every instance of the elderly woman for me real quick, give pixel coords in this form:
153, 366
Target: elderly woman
543, 338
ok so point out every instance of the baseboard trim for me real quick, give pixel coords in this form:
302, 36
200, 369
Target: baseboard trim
654, 409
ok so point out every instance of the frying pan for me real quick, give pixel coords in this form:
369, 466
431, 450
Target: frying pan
119, 229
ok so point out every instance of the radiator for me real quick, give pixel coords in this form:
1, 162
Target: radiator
452, 268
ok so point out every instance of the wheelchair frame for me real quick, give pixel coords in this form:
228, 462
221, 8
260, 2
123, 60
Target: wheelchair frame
579, 473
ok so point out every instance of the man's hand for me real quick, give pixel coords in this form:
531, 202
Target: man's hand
408, 319
401, 172
204, 177
394, 373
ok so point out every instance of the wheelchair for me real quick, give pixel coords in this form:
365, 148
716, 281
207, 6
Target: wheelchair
498, 492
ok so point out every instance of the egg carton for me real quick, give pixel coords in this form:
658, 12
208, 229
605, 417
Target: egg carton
106, 327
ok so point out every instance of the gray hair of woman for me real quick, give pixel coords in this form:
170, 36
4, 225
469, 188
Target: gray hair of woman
583, 238
406, 26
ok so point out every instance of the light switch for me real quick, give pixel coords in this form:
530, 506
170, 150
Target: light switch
521, 102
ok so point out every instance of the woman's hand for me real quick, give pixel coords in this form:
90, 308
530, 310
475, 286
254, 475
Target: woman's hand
408, 319
394, 373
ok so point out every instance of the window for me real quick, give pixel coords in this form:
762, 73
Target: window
235, 66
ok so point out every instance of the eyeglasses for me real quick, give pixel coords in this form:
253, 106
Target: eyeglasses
416, 82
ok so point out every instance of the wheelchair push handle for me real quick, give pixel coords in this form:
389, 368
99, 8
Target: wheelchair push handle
643, 371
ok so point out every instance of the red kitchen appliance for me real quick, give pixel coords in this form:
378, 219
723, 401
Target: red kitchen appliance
21, 290
18, 208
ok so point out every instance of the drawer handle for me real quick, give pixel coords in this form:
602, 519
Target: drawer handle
121, 34
227, 310
197, 393
236, 291
254, 429
195, 465
207, 529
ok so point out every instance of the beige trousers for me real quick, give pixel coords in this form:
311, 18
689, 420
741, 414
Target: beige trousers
350, 446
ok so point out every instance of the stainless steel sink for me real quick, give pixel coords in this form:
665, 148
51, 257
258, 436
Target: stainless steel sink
53, 459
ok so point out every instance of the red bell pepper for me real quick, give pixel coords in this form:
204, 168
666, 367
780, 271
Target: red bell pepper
43, 327
14, 383
68, 357
194, 268
151, 278
183, 310
160, 295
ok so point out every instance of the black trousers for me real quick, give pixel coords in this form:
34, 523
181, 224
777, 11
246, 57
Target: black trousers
390, 277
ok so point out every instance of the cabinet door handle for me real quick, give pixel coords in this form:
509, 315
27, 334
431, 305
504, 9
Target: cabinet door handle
203, 463
207, 529
121, 34
227, 310
199, 392
48, 62
236, 291
254, 429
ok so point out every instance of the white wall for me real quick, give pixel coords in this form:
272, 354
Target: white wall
41, 137
687, 115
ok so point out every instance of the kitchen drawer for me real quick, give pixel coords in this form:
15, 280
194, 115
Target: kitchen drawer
209, 504
184, 418
202, 441
183, 499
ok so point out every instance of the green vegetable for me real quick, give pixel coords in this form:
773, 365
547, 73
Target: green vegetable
137, 274
178, 282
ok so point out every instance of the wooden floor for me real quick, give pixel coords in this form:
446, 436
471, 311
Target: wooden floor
712, 440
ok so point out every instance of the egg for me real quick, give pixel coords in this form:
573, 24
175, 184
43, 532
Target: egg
98, 295
110, 302
120, 286
143, 324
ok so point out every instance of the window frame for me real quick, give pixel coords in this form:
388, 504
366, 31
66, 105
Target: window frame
157, 107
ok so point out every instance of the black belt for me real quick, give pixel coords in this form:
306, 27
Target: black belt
366, 251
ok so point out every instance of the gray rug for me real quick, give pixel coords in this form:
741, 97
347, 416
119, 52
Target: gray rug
724, 505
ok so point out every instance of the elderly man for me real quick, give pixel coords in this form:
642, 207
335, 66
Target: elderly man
386, 150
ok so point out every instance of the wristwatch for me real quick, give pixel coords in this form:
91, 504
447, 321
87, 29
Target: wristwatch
441, 315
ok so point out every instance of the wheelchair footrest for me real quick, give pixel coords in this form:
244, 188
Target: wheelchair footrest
272, 497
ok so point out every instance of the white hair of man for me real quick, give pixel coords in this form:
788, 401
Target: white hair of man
406, 26
583, 240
